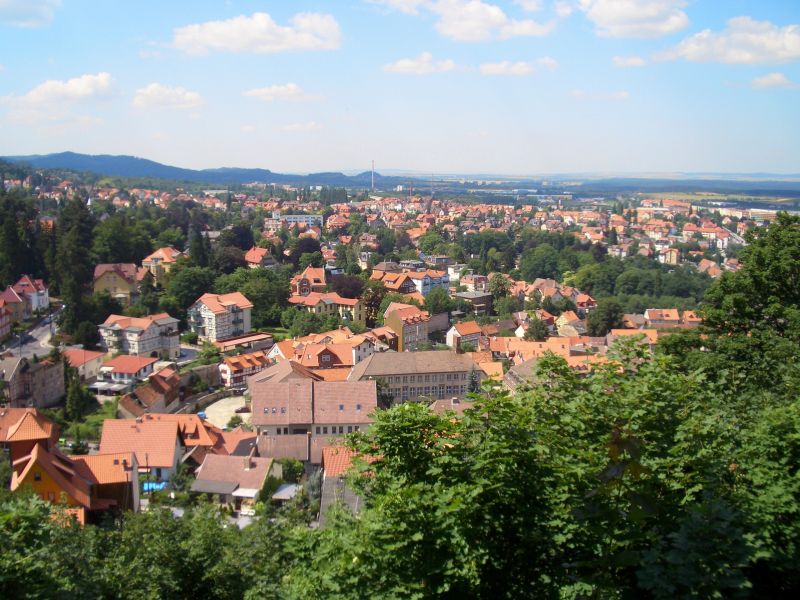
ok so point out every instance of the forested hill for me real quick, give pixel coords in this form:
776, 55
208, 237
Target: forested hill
131, 166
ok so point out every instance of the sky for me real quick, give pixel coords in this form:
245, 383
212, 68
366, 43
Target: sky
517, 87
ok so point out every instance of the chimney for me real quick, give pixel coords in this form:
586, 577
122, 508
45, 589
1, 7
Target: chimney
248, 463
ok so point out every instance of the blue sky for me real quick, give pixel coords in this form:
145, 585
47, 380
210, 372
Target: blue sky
440, 86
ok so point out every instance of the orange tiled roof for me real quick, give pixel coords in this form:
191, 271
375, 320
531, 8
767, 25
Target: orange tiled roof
78, 357
468, 328
129, 365
218, 303
337, 460
32, 425
106, 468
153, 442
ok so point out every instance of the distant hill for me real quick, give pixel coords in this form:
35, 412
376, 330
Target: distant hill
754, 184
132, 166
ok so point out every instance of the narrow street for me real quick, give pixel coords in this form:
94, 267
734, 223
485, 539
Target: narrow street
34, 341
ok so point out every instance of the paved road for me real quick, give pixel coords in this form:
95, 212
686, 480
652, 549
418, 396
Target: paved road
34, 341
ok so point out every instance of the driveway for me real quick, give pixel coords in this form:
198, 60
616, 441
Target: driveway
221, 411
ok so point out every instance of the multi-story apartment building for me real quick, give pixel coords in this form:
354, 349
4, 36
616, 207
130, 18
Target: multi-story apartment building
409, 322
26, 383
420, 376
153, 336
216, 317
426, 281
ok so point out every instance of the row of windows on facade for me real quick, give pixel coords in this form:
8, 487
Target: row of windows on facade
283, 409
427, 378
427, 391
321, 430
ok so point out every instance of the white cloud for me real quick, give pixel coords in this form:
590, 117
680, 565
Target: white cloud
421, 65
301, 127
54, 92
507, 67
563, 9
260, 34
476, 21
158, 96
53, 104
635, 18
548, 62
625, 62
773, 80
247, 128
409, 7
744, 41
285, 91
525, 28
28, 13
529, 5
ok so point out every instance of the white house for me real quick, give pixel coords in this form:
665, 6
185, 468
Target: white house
464, 333
127, 369
35, 292
154, 336
426, 281
215, 317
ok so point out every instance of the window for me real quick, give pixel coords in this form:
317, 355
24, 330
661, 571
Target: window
341, 407
324, 430
341, 428
285, 431
37, 476
355, 427
317, 430
283, 410
427, 378
358, 407
274, 410
349, 429
278, 431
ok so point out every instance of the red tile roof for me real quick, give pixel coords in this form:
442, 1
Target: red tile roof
106, 468
129, 365
307, 401
78, 357
153, 442
24, 424
337, 460
247, 472
126, 271
468, 328
219, 303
